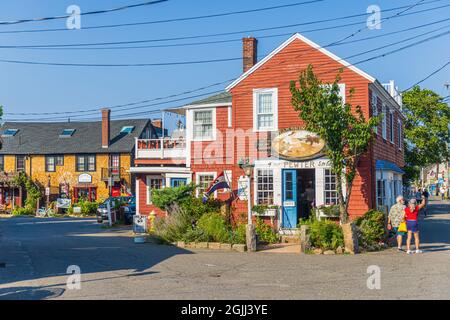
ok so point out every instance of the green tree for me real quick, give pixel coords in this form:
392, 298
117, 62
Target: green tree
344, 128
427, 133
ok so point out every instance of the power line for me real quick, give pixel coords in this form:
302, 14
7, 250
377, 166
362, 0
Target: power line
199, 17
323, 47
429, 76
354, 64
232, 40
227, 33
176, 63
124, 106
187, 92
82, 13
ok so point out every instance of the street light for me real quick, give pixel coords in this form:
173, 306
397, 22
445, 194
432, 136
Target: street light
250, 231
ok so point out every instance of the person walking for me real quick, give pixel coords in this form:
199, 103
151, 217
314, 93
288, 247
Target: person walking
395, 217
412, 224
419, 196
425, 196
442, 192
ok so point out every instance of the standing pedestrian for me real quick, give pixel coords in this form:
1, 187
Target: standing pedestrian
395, 217
412, 224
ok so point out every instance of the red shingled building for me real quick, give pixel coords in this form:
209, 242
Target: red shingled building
254, 119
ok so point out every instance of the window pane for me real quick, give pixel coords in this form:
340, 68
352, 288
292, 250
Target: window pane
265, 121
80, 163
264, 190
203, 124
91, 163
265, 103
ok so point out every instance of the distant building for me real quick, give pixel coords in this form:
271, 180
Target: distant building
73, 159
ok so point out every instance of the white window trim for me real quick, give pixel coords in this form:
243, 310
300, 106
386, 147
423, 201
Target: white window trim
230, 115
147, 183
191, 124
391, 127
400, 134
197, 180
274, 92
374, 105
384, 122
343, 92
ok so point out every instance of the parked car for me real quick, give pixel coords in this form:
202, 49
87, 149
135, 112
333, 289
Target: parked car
128, 208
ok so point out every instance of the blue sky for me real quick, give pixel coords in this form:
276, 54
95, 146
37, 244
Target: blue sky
26, 88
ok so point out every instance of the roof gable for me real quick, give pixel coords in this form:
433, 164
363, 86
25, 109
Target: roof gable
294, 37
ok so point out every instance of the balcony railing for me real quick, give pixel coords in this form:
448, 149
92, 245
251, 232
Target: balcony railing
164, 148
116, 174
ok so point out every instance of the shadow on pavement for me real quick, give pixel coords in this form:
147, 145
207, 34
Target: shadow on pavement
48, 247
30, 293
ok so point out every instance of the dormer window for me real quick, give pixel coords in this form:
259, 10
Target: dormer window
127, 129
67, 133
10, 132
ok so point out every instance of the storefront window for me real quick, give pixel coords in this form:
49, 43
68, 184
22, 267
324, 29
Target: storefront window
152, 184
2, 163
331, 196
264, 187
381, 192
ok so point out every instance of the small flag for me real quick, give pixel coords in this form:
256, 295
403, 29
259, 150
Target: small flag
219, 183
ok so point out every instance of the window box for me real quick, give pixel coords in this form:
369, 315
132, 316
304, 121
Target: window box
265, 211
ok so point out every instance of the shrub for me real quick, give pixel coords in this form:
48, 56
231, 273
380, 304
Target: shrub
175, 226
214, 227
25, 211
239, 234
371, 228
265, 232
87, 207
326, 234
164, 198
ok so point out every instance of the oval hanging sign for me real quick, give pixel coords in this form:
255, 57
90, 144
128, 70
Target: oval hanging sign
298, 145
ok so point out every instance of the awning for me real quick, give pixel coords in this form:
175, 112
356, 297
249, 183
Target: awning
388, 166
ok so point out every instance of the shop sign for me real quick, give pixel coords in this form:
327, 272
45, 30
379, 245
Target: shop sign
242, 188
295, 144
84, 178
321, 163
63, 203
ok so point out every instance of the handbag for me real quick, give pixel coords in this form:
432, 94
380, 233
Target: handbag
402, 227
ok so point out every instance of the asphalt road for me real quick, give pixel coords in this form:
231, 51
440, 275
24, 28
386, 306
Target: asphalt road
35, 255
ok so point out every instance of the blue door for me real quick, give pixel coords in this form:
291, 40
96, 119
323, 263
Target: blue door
178, 182
289, 199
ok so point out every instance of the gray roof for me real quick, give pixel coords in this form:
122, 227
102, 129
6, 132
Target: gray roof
43, 138
223, 97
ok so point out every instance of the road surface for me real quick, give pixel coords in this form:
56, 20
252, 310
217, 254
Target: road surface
35, 255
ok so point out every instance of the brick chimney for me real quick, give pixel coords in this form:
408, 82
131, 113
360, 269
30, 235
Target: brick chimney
106, 119
250, 46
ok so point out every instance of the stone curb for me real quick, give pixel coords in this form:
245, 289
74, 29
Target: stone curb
211, 246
